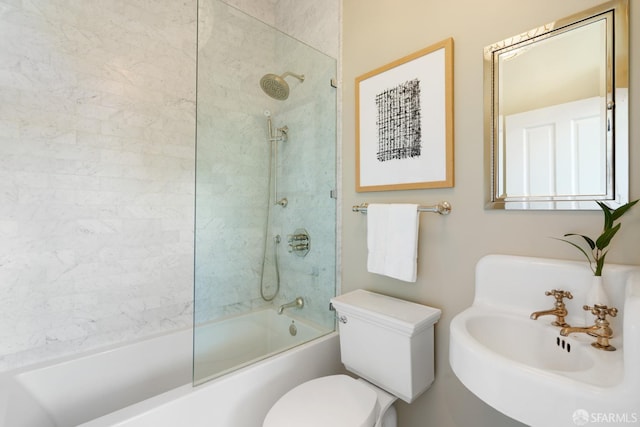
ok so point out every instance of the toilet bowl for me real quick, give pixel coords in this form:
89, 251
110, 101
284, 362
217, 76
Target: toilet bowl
386, 342
336, 401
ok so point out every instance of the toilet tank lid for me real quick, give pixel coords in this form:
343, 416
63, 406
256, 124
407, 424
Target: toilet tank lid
405, 316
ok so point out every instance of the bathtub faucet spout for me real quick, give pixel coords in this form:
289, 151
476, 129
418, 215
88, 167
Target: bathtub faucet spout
298, 303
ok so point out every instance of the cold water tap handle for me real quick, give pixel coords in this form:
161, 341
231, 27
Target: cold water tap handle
601, 311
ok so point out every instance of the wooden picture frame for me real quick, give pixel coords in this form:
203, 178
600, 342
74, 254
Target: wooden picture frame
404, 122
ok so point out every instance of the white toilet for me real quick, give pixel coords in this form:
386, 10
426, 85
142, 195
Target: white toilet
385, 341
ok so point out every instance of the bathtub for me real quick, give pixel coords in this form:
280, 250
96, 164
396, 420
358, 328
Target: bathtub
242, 340
148, 383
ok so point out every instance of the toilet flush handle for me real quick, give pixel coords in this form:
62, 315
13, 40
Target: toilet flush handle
341, 319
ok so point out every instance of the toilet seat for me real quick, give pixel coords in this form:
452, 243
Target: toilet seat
336, 401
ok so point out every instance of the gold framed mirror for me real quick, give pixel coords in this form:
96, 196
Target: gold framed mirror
556, 113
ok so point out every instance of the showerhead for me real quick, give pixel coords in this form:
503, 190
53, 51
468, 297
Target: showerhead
276, 87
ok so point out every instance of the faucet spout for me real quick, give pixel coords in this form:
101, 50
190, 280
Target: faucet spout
602, 333
560, 314
565, 332
601, 330
297, 303
559, 310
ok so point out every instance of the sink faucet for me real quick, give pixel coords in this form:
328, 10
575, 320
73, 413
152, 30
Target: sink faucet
601, 330
559, 310
298, 303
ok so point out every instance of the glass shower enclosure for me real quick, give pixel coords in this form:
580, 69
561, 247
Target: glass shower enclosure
265, 213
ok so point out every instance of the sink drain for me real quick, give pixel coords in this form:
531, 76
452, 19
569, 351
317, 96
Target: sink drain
564, 344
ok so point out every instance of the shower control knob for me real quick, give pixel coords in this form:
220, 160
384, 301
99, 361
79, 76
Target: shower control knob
299, 242
299, 247
298, 238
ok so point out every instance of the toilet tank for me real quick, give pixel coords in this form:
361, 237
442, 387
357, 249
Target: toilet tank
387, 341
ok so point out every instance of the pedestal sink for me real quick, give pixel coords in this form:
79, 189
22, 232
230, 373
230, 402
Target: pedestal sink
525, 368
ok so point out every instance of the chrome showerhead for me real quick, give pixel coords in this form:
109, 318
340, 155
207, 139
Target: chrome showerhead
276, 87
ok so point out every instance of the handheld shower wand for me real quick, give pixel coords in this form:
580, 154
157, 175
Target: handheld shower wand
280, 135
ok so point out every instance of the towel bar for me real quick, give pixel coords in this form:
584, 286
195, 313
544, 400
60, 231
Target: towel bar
443, 208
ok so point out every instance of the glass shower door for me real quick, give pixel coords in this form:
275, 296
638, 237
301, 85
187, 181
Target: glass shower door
265, 171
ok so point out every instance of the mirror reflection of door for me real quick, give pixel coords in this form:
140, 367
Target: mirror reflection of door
556, 151
553, 115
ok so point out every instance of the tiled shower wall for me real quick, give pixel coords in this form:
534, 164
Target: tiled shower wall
96, 173
232, 191
97, 134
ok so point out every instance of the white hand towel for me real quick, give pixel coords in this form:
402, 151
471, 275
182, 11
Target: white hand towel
377, 219
392, 240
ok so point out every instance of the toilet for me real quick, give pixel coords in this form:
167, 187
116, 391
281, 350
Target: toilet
388, 344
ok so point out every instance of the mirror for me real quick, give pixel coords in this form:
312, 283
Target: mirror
556, 113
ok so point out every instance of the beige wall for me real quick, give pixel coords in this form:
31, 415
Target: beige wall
377, 32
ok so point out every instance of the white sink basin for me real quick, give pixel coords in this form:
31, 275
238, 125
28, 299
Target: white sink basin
533, 344
524, 368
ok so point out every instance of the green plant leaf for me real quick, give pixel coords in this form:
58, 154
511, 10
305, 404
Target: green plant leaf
587, 239
598, 254
623, 209
608, 216
606, 236
586, 255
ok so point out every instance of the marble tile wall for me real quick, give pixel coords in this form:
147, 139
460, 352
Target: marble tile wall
97, 147
232, 189
316, 23
307, 175
96, 173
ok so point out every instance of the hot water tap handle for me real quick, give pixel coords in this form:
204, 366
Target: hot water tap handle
559, 294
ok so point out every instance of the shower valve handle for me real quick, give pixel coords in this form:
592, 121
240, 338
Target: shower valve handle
299, 242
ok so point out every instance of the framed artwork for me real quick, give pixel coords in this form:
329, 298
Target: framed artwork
404, 122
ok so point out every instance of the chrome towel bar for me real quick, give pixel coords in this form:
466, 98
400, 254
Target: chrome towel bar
443, 208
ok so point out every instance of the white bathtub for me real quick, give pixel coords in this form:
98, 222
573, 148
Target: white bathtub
243, 340
148, 383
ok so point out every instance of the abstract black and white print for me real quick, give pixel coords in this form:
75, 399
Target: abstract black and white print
398, 122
